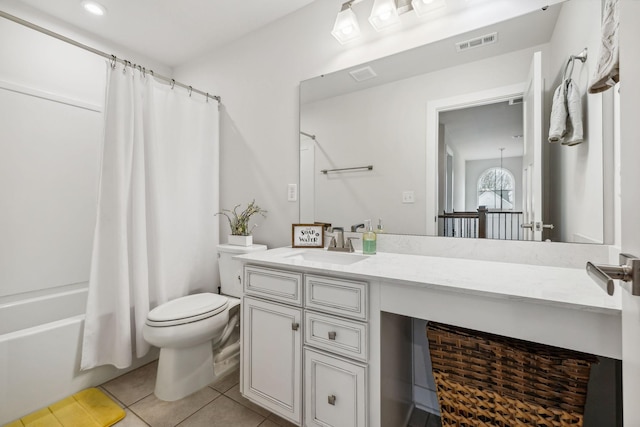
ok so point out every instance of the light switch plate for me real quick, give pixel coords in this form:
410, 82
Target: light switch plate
408, 197
292, 192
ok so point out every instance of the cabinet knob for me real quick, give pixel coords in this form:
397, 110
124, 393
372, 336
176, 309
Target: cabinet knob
332, 336
332, 400
295, 326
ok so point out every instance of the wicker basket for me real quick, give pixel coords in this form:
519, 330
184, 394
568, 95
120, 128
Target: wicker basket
489, 380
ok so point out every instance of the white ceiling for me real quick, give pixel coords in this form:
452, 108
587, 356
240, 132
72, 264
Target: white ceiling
171, 32
531, 29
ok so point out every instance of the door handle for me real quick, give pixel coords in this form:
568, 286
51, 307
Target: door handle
627, 271
295, 326
331, 400
537, 226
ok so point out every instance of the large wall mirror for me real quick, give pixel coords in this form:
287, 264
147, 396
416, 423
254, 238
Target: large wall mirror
439, 140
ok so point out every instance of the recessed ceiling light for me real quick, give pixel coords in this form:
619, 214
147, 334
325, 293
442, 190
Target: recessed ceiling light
94, 8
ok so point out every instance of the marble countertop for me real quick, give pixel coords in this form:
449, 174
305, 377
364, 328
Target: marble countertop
570, 287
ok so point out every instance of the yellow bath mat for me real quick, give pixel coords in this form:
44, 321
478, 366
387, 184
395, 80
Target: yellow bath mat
88, 408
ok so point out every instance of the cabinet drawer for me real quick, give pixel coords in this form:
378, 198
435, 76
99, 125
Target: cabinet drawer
345, 337
336, 296
276, 285
335, 392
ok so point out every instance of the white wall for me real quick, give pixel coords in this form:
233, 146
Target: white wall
49, 158
258, 78
576, 173
49, 152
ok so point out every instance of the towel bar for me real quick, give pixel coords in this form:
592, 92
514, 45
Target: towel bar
582, 57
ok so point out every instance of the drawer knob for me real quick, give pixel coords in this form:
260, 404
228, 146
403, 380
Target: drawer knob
332, 400
295, 326
332, 336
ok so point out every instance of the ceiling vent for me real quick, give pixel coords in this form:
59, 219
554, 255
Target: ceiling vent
476, 42
362, 74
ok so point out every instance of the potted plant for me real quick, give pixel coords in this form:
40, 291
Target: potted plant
239, 223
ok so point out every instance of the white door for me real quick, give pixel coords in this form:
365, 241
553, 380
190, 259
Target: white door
630, 201
532, 157
272, 357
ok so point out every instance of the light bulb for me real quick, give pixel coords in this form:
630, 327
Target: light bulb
424, 7
94, 8
384, 14
346, 27
347, 30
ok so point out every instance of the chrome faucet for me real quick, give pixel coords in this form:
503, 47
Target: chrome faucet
339, 237
355, 227
337, 242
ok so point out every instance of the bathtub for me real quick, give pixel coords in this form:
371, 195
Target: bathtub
40, 347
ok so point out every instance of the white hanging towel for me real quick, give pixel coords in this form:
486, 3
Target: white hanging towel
558, 120
607, 71
566, 115
574, 112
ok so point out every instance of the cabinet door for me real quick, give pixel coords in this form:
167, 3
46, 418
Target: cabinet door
271, 356
335, 391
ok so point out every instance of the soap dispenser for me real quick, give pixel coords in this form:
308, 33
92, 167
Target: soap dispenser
380, 227
369, 239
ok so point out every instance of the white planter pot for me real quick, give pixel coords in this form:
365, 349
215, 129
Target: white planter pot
240, 240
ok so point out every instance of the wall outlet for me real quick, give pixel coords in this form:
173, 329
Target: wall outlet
408, 197
292, 192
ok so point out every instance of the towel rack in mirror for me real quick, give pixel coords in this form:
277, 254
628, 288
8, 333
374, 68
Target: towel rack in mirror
368, 167
582, 57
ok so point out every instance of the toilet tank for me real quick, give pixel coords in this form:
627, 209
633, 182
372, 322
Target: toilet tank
231, 269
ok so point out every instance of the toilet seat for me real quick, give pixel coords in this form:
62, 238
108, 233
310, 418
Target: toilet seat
188, 309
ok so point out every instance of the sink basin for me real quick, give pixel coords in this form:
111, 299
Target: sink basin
327, 257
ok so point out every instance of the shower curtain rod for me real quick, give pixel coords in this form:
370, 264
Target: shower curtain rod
105, 55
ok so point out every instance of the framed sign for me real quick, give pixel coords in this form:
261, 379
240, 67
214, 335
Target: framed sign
307, 236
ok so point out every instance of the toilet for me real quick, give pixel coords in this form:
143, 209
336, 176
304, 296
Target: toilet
199, 335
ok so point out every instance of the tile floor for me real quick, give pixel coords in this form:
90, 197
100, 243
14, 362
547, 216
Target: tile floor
219, 405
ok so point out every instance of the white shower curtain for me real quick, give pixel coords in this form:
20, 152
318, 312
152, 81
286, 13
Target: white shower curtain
156, 234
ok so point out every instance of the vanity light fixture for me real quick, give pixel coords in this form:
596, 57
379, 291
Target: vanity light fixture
94, 8
346, 27
422, 7
384, 14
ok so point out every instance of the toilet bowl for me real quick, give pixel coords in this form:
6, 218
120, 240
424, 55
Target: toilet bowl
185, 330
198, 335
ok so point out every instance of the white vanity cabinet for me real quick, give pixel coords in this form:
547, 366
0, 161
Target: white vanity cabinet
323, 382
335, 352
272, 341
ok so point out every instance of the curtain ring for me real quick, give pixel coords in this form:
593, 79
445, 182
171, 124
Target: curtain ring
190, 90
144, 72
207, 97
113, 61
173, 83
